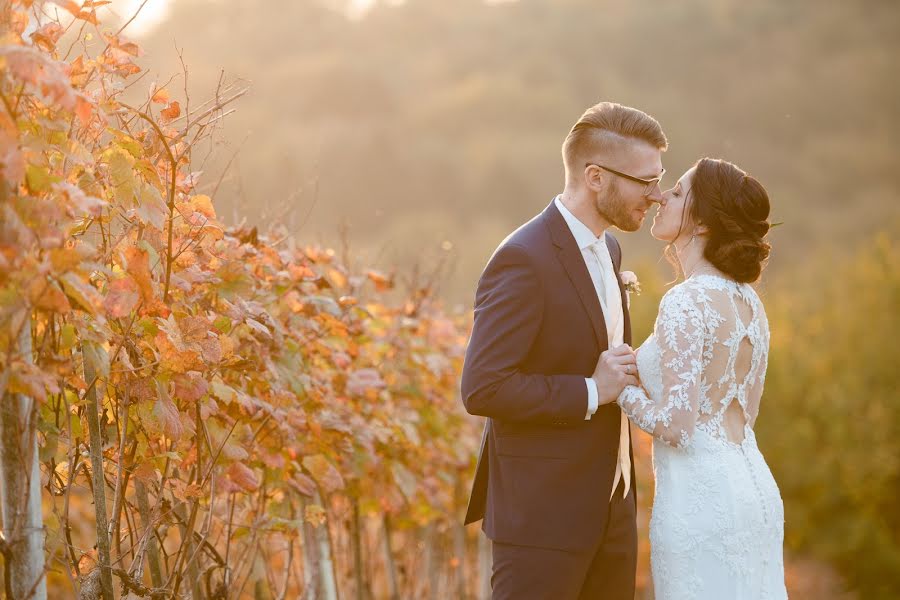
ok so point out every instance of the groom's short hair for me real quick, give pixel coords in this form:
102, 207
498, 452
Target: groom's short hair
603, 126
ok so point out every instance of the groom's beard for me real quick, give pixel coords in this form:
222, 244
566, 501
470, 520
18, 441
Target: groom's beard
613, 209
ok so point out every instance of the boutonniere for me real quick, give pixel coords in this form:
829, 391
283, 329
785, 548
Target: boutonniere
631, 284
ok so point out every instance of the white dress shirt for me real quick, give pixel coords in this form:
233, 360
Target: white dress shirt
600, 267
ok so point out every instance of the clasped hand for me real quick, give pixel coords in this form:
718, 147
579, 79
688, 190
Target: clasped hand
616, 368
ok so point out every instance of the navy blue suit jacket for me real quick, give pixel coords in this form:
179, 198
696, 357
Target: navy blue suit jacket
544, 473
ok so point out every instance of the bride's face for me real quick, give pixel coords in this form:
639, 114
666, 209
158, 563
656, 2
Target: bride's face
672, 222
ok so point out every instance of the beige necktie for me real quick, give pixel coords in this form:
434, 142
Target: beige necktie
612, 309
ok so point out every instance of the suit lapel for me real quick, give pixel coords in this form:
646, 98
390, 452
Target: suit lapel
570, 256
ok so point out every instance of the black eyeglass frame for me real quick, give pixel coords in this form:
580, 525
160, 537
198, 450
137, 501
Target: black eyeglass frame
650, 183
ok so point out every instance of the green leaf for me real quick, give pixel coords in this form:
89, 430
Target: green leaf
222, 324
39, 179
67, 337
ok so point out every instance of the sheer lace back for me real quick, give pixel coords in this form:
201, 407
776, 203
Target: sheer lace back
705, 364
717, 526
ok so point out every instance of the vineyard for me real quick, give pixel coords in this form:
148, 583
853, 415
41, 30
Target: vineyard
200, 409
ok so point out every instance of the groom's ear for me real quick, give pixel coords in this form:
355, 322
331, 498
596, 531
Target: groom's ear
593, 177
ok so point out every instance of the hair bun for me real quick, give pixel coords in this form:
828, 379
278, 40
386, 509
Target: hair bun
741, 258
734, 207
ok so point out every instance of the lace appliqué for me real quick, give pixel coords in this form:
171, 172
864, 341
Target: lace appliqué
717, 527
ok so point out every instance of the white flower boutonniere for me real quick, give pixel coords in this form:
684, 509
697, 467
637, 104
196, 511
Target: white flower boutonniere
631, 283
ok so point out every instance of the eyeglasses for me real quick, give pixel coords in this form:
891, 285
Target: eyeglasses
650, 184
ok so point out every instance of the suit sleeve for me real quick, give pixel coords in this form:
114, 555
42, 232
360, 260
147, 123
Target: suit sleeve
508, 313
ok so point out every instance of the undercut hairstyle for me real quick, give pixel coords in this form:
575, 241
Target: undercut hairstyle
605, 127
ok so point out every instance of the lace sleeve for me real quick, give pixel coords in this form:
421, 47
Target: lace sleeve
679, 333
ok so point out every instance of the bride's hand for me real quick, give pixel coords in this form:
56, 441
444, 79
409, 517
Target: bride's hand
616, 369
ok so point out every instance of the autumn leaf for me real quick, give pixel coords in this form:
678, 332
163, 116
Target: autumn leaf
362, 380
189, 387
69, 5
303, 484
84, 110
211, 350
172, 111
166, 413
121, 298
323, 472
203, 205
28, 379
234, 451
161, 96
83, 293
315, 515
47, 36
38, 179
138, 266
47, 295
12, 162
382, 282
79, 203
243, 476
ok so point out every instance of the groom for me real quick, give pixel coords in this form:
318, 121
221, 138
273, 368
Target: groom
554, 482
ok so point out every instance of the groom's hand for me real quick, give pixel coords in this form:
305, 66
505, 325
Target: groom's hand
616, 368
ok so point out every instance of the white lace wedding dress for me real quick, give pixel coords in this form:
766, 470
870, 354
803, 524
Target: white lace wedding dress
717, 526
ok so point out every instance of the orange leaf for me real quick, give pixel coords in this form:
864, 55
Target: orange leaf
89, 16
203, 205
69, 5
131, 48
336, 278
122, 297
382, 282
161, 96
83, 110
173, 111
47, 36
138, 266
47, 295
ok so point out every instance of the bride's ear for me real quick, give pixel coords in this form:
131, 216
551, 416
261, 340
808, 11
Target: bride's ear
701, 229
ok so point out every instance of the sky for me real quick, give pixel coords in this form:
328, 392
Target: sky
155, 11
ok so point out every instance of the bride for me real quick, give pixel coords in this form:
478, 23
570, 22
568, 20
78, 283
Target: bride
717, 526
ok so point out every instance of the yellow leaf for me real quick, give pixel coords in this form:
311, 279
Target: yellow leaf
161, 96
84, 294
315, 515
203, 205
39, 179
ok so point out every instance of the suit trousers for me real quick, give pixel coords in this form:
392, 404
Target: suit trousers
603, 572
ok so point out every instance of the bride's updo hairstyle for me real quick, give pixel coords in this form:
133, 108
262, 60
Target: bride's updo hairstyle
734, 207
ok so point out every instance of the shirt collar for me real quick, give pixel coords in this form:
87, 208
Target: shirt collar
584, 237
